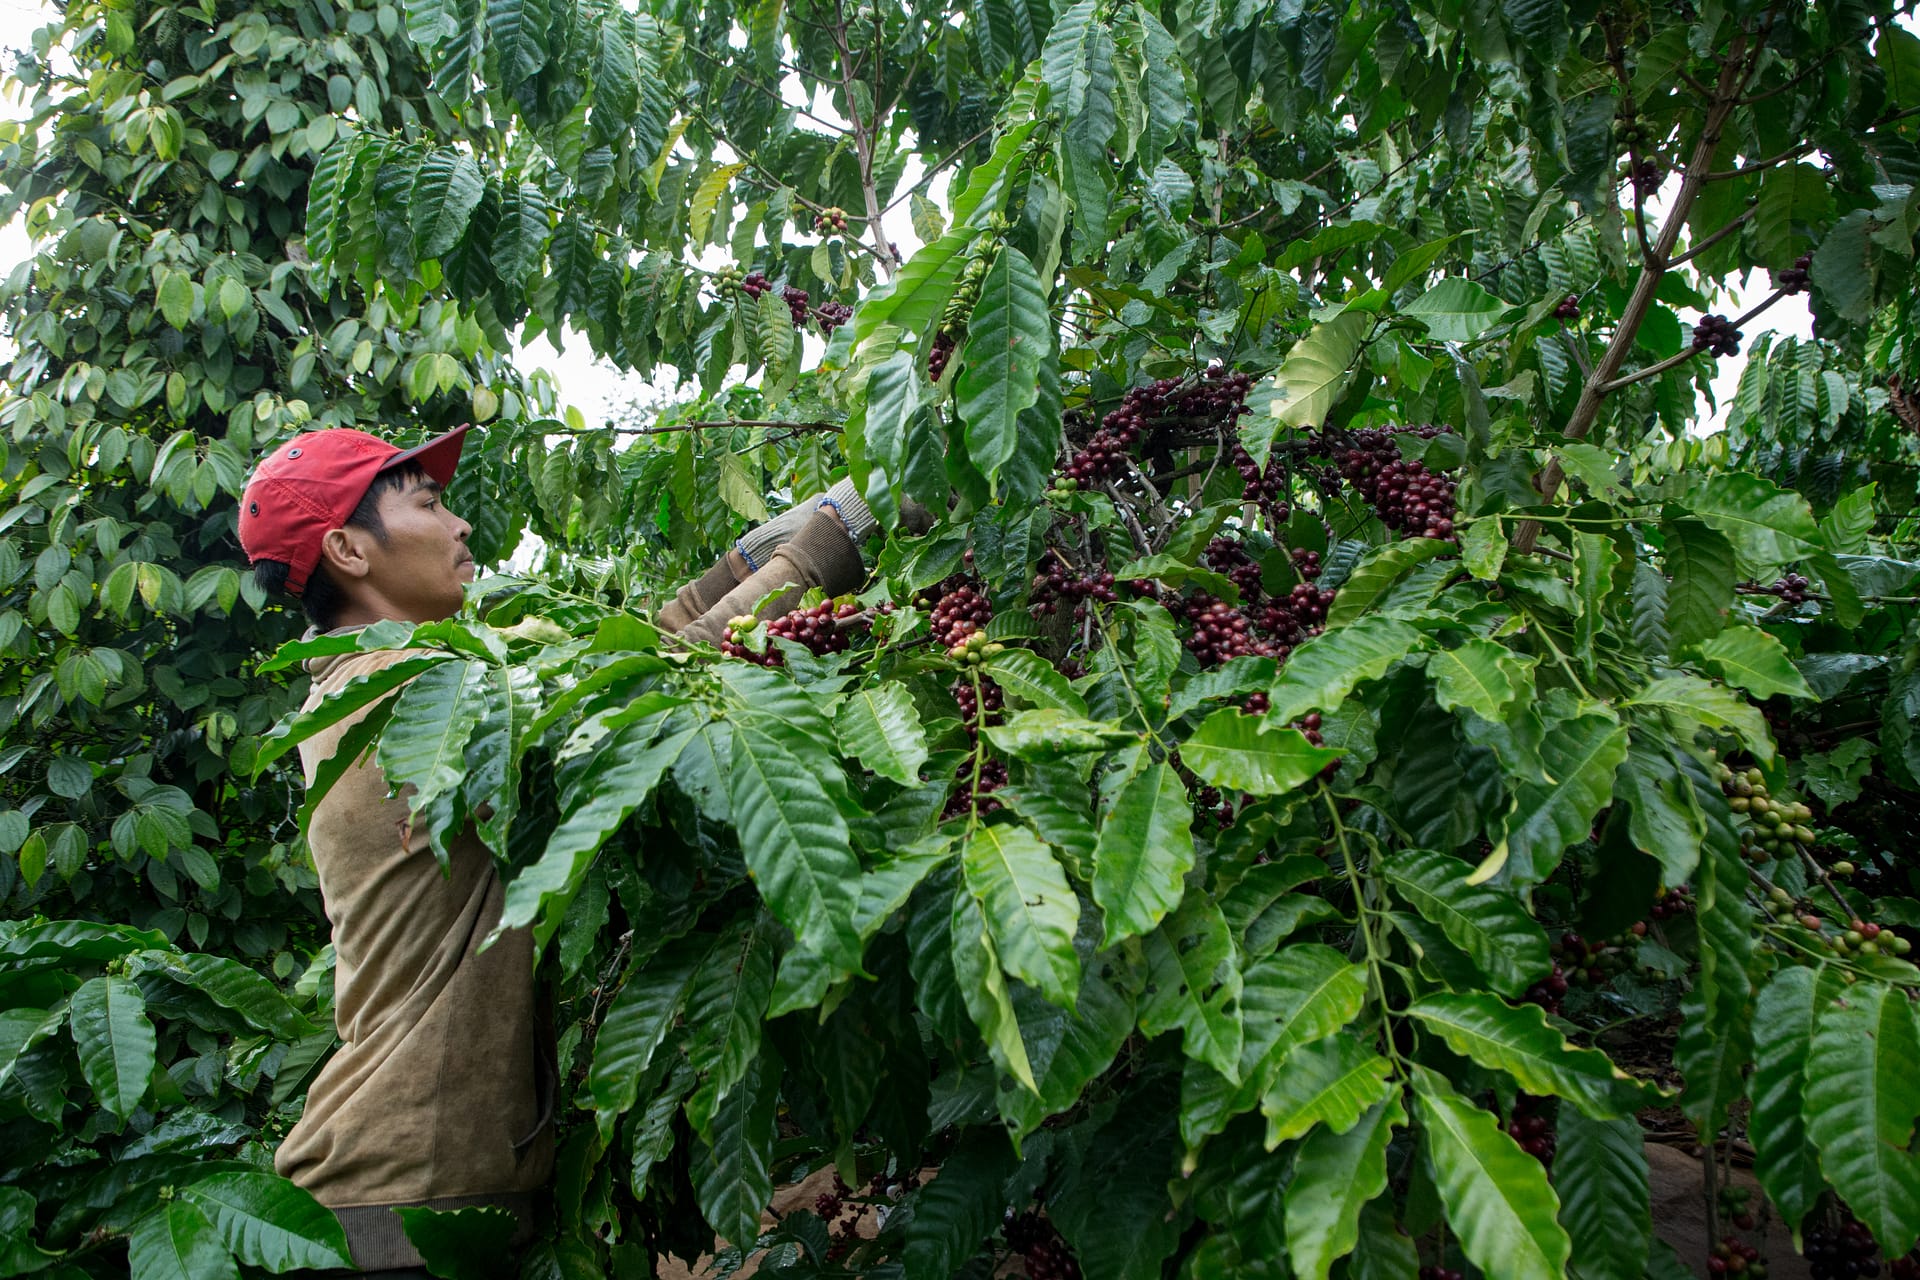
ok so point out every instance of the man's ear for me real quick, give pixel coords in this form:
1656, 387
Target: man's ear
344, 553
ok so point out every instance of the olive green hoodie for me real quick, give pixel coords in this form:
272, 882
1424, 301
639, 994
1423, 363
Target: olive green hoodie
439, 1093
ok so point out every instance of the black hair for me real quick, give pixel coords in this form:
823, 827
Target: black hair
322, 600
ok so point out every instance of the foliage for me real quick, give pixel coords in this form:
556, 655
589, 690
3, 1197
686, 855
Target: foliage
1331, 794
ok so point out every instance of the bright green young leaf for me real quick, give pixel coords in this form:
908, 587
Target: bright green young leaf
1334, 1176
795, 840
1145, 851
1712, 705
1028, 677
1320, 674
1479, 675
1579, 756
1330, 1082
1029, 907
983, 989
115, 1041
1232, 749
1486, 922
1375, 575
880, 728
1456, 310
1311, 377
1755, 660
1518, 1040
176, 1242
1497, 1198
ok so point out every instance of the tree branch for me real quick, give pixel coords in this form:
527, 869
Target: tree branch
1714, 239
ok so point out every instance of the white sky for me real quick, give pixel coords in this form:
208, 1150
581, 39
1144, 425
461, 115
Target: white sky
596, 388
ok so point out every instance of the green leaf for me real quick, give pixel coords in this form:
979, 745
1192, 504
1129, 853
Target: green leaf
881, 422
1232, 749
1497, 1198
1481, 676
425, 744
1030, 909
739, 490
983, 989
1579, 756
1662, 816
1047, 734
1144, 854
1487, 923
232, 985
1008, 335
1521, 1042
21, 1030
1600, 1172
795, 842
1331, 1082
338, 705
266, 1221
706, 199
1194, 983
1791, 213
1768, 526
1334, 1176
176, 1242
1320, 674
1594, 561
1456, 310
732, 1175
880, 728
176, 298
1310, 378
1030, 678
461, 1244
725, 1006
626, 768
1375, 575
1755, 660
953, 1213
445, 192
115, 1041
638, 1021
1072, 1048
1712, 705
1302, 993
1701, 564
1784, 1023
1862, 1094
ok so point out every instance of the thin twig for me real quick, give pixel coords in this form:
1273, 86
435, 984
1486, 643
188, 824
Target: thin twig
1714, 239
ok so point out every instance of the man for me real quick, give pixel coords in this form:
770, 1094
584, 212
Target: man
441, 1093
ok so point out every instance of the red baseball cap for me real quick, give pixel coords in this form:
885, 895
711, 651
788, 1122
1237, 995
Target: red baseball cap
312, 483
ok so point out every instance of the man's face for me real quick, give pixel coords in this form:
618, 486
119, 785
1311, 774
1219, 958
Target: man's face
417, 573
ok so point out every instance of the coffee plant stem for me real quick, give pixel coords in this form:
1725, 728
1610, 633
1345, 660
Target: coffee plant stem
1365, 916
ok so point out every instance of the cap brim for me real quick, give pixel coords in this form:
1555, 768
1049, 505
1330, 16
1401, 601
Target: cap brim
438, 457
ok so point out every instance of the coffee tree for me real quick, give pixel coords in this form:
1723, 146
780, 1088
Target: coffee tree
1346, 709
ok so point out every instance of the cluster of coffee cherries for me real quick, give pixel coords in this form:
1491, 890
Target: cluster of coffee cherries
821, 628
796, 300
1647, 176
1054, 581
939, 353
1228, 558
1532, 1128
1859, 938
831, 315
1586, 961
1046, 1255
755, 283
967, 796
1405, 495
1841, 1253
1736, 1206
1568, 308
830, 221
1715, 333
1442, 1273
959, 612
1266, 487
974, 712
1735, 1257
1668, 903
1792, 589
974, 649
1773, 828
1797, 277
1221, 632
1550, 990
1212, 402
1905, 1267
829, 1206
